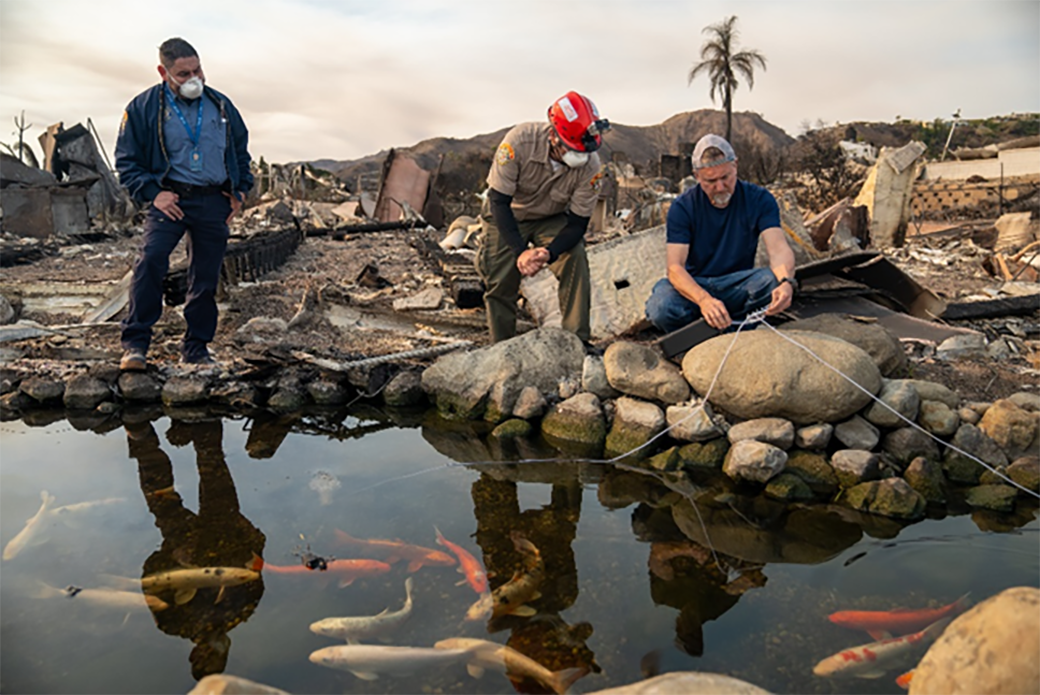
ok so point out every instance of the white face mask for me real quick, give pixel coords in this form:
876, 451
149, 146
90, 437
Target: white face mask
575, 159
191, 88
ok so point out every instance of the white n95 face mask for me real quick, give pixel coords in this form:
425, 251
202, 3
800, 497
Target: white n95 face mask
575, 159
191, 88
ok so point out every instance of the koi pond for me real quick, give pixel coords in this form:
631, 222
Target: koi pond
617, 574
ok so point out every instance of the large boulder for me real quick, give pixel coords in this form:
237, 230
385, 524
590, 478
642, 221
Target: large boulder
641, 371
768, 376
991, 648
686, 683
469, 384
876, 340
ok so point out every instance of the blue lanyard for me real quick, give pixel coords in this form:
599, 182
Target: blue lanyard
194, 137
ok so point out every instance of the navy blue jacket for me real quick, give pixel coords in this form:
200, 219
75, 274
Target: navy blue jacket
141, 157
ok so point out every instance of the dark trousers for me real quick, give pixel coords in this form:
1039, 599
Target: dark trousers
205, 221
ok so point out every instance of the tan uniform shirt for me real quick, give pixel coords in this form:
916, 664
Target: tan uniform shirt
524, 170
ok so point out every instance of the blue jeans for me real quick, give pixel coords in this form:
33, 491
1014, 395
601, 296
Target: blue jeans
742, 292
205, 221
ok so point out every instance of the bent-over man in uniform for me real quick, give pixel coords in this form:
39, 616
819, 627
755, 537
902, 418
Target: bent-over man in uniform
182, 148
544, 182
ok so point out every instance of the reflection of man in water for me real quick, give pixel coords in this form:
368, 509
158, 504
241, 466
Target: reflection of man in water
217, 536
546, 638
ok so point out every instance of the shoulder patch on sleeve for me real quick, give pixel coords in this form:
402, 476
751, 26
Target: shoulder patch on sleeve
597, 181
122, 122
505, 153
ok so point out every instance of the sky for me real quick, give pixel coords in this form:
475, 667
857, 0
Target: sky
319, 79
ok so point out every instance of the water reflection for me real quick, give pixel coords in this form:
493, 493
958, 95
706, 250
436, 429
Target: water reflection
546, 637
643, 571
217, 536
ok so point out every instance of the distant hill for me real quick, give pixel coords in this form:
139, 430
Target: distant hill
467, 160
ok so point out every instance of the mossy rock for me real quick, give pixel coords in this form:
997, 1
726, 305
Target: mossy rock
814, 470
789, 487
572, 428
709, 454
512, 429
998, 498
667, 460
893, 498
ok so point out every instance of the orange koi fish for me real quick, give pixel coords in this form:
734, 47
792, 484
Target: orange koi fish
468, 565
901, 621
346, 570
395, 551
877, 658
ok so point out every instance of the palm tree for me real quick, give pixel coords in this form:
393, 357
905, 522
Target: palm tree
722, 64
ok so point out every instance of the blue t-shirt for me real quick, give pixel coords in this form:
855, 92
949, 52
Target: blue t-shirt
721, 241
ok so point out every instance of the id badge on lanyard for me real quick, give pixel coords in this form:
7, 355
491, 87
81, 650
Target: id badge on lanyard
195, 157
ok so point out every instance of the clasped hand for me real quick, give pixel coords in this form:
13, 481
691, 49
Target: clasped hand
532, 260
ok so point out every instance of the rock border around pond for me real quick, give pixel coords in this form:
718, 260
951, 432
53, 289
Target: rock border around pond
774, 423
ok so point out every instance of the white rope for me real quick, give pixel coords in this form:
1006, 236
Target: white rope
900, 415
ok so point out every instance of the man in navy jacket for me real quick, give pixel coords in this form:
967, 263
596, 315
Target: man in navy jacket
183, 150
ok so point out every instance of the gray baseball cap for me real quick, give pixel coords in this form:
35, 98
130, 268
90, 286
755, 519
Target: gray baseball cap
709, 141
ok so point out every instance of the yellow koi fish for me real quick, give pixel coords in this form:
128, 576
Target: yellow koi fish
484, 654
186, 582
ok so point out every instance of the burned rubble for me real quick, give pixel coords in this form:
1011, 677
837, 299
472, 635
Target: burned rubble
338, 291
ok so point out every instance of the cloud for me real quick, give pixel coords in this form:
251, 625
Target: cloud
317, 79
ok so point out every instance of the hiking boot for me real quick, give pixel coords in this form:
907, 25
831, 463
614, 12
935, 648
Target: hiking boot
133, 360
202, 358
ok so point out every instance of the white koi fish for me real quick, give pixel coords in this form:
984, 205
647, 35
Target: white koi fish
107, 598
186, 582
876, 659
517, 666
356, 629
84, 506
28, 535
368, 661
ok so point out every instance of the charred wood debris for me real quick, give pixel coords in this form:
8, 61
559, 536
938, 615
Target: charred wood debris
974, 239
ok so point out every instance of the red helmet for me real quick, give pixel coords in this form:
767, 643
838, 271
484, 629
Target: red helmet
577, 122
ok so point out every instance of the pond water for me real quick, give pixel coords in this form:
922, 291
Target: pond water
630, 585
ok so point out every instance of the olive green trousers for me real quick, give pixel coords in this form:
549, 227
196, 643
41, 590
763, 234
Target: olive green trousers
496, 265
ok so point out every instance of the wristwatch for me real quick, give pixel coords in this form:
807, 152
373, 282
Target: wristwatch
792, 281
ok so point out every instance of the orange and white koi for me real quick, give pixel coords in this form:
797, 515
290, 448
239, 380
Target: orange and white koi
355, 629
469, 566
877, 658
516, 665
30, 533
345, 570
186, 582
395, 551
901, 621
903, 681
